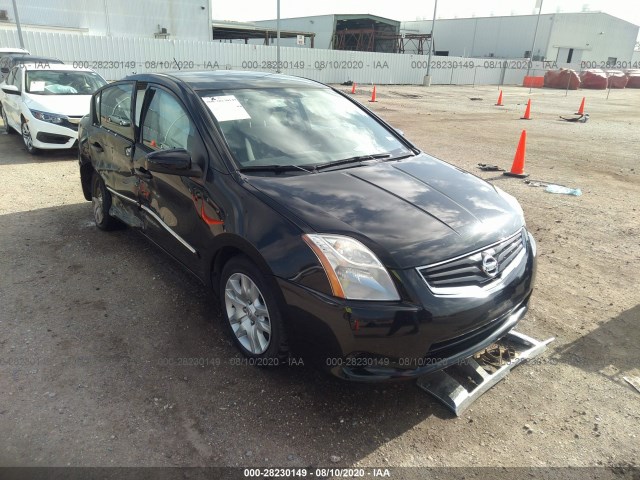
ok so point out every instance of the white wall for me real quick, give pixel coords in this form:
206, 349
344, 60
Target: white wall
183, 19
599, 35
117, 57
511, 37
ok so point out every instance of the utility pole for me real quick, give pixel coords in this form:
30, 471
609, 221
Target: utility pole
15, 14
277, 40
535, 34
427, 79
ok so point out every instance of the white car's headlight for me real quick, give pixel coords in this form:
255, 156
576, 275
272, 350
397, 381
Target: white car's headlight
354, 271
48, 117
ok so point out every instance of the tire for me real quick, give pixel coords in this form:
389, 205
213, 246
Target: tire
101, 202
5, 120
251, 313
27, 139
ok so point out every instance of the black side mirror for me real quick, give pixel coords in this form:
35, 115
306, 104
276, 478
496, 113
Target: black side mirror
4, 70
176, 161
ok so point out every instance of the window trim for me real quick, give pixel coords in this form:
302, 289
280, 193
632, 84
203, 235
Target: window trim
145, 109
131, 108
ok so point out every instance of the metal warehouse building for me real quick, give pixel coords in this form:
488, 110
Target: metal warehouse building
365, 33
562, 37
182, 19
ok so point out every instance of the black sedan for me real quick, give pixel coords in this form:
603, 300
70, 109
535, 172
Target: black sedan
321, 229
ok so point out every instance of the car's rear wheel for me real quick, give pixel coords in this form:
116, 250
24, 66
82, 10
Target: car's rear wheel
101, 202
28, 139
251, 312
5, 120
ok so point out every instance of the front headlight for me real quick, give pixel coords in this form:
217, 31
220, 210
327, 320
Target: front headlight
354, 272
48, 117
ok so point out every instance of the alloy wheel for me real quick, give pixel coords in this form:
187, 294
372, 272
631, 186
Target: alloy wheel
247, 313
98, 206
26, 136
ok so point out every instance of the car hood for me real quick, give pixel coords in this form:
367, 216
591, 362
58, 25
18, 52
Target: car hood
70, 105
409, 212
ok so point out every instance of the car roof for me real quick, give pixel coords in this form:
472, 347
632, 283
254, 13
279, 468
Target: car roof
18, 57
230, 79
13, 50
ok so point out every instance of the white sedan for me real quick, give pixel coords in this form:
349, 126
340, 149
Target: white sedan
45, 103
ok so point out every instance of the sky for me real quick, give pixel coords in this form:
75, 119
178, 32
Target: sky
248, 10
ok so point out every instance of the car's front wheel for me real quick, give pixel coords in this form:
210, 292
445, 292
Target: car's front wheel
101, 202
5, 120
251, 312
28, 139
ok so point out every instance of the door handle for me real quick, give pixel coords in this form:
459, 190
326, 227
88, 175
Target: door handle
97, 146
143, 173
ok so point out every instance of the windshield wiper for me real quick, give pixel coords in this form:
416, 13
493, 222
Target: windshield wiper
273, 168
400, 157
356, 159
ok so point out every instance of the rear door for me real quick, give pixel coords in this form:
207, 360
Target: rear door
178, 213
112, 146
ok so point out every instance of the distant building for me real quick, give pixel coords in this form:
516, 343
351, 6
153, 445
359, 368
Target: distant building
364, 33
562, 37
180, 19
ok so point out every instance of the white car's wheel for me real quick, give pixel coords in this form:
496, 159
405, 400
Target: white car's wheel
28, 139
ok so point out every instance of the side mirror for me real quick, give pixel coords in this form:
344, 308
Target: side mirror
11, 90
176, 161
400, 132
4, 70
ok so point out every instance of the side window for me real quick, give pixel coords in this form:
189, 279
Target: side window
115, 109
166, 124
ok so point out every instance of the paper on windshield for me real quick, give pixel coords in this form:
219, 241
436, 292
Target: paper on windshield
37, 86
226, 108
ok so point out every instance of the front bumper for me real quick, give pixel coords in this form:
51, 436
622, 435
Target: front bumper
50, 136
380, 341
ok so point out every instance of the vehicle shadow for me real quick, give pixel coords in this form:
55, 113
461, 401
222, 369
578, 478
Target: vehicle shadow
612, 349
128, 339
13, 151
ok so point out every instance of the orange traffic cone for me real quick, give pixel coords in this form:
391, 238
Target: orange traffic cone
581, 109
373, 95
353, 88
527, 112
517, 169
500, 104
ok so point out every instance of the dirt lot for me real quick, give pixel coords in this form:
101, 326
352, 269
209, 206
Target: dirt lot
93, 325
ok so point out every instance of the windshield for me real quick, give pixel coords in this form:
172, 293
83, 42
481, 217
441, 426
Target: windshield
51, 82
297, 126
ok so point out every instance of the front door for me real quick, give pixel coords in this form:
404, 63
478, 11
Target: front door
175, 215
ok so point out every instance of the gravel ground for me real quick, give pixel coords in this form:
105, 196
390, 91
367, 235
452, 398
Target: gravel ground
95, 327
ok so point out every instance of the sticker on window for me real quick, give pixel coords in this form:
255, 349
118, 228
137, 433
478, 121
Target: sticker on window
37, 86
226, 108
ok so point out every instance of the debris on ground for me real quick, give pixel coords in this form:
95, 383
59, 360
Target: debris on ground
577, 118
564, 190
490, 168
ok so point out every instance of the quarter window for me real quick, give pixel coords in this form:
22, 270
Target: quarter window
115, 109
166, 124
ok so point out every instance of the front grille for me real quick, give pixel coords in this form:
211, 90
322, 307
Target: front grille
478, 269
